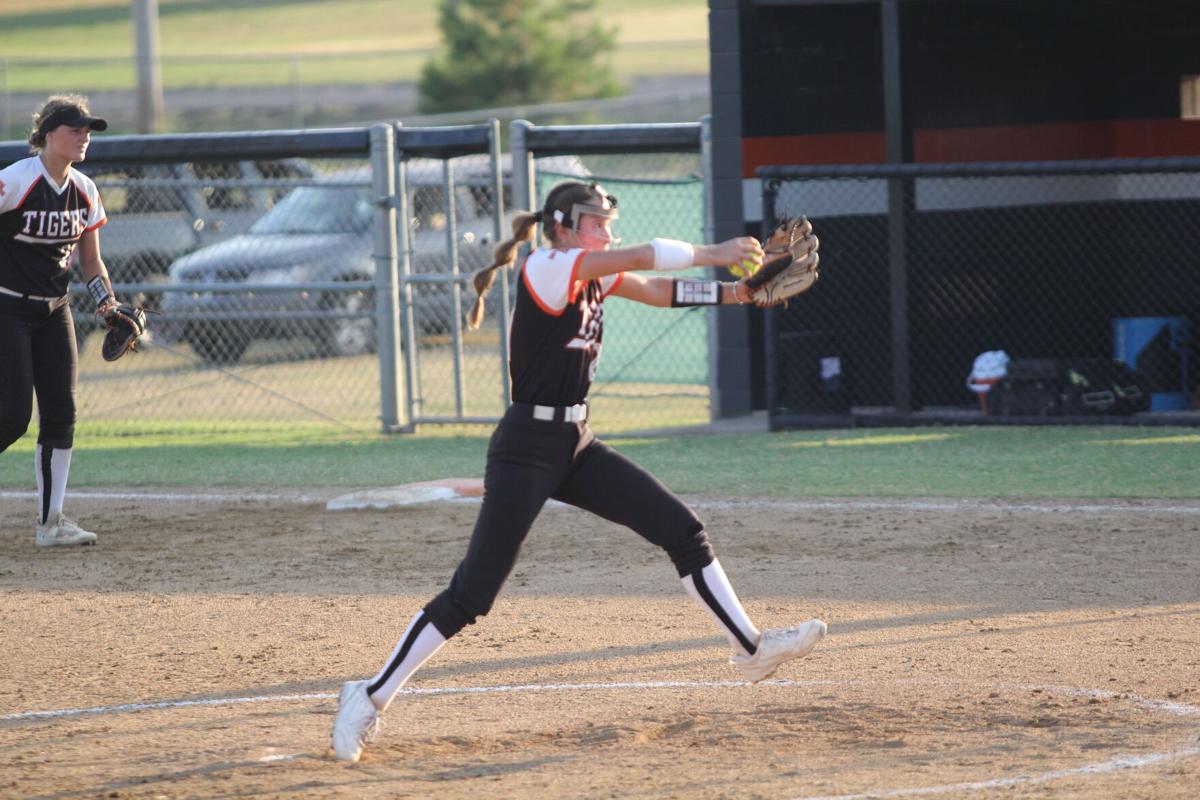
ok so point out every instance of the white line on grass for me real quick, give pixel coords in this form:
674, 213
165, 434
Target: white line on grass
798, 505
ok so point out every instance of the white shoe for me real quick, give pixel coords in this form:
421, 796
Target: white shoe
357, 721
777, 646
58, 531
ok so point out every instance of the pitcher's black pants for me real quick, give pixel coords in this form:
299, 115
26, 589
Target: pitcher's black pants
530, 461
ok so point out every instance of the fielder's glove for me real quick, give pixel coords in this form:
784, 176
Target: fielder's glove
126, 324
789, 264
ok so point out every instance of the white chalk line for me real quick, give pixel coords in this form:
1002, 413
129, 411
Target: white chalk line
796, 505
1102, 768
289, 698
956, 506
175, 497
1115, 764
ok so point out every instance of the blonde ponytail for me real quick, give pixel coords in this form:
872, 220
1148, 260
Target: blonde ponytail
504, 255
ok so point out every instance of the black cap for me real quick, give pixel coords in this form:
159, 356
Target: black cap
74, 117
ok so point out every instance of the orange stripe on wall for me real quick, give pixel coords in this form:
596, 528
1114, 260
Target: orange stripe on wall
1137, 138
833, 148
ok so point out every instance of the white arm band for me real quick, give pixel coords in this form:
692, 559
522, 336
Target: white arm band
672, 254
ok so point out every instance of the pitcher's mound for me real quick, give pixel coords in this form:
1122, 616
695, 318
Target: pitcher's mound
409, 494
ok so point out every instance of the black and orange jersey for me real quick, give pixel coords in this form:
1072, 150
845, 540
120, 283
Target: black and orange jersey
557, 329
41, 224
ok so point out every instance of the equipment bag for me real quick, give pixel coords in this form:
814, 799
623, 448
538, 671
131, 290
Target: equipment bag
1102, 386
1039, 387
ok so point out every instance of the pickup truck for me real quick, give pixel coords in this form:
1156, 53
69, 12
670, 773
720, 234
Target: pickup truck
158, 213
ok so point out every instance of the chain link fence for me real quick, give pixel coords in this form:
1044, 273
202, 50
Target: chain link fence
249, 315
321, 280
929, 266
655, 368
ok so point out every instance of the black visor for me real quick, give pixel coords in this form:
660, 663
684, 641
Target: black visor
73, 117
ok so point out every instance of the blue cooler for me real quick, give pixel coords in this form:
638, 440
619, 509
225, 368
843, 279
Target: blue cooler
1157, 348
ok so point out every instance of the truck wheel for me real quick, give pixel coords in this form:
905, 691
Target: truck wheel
352, 332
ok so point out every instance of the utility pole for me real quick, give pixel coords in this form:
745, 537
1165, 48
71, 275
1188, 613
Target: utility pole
149, 76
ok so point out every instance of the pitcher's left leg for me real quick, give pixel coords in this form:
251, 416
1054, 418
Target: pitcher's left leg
611, 486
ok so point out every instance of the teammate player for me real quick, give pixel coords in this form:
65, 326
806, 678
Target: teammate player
543, 447
47, 210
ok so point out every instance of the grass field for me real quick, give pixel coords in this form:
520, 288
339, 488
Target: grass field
227, 43
984, 462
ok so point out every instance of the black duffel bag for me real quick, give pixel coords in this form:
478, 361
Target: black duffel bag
1067, 387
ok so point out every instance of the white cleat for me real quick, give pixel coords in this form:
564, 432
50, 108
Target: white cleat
357, 721
58, 531
777, 646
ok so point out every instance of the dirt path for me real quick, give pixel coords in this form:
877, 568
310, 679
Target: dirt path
978, 650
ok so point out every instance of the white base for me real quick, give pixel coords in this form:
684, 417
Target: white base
392, 496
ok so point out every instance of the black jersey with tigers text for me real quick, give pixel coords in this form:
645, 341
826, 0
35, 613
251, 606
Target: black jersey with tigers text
557, 329
41, 224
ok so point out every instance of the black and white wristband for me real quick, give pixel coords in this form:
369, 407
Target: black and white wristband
98, 289
696, 292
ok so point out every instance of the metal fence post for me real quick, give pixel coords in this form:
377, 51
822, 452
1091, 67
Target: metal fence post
900, 191
497, 163
408, 324
522, 176
5, 114
456, 329
710, 228
387, 310
770, 192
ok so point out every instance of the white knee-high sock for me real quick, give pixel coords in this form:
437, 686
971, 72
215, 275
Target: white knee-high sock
711, 589
417, 646
51, 480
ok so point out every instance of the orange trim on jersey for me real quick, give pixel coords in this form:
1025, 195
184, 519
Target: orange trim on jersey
533, 293
573, 286
616, 283
25, 196
81, 187
97, 226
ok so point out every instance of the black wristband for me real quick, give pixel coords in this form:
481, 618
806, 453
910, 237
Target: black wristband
694, 292
98, 289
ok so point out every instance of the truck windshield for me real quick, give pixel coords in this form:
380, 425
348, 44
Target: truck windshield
318, 209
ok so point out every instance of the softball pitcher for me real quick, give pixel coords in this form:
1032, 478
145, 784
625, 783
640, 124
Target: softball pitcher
543, 447
47, 210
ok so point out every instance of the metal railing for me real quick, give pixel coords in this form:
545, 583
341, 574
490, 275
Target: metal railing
317, 277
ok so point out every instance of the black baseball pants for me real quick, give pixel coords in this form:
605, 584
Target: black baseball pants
531, 461
37, 354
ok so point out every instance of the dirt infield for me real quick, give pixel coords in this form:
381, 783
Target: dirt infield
974, 649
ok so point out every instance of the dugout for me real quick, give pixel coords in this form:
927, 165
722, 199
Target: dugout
820, 83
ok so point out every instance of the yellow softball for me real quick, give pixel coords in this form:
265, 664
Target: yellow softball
745, 268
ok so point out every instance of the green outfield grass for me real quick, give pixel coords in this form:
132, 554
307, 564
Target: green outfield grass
229, 43
983, 462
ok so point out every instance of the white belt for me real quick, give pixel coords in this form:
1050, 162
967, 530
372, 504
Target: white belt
24, 296
577, 413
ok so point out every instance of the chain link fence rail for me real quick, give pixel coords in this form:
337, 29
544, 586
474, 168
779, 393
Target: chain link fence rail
320, 279
256, 253
451, 192
927, 266
655, 369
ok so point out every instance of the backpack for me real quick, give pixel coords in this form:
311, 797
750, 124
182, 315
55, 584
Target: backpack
1068, 387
